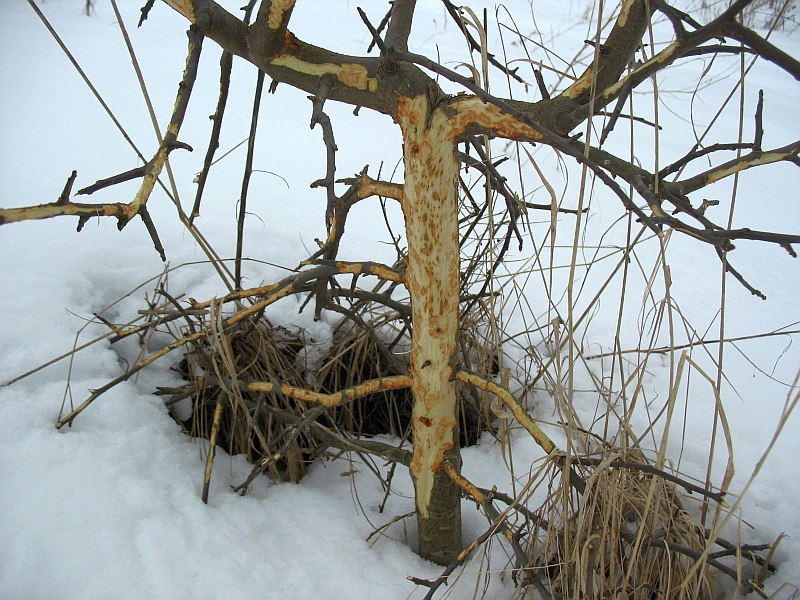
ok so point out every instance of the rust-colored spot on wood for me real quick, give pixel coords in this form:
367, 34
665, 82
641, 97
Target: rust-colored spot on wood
291, 40
408, 114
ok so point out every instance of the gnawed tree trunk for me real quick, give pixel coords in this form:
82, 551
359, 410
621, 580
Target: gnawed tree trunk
432, 278
430, 207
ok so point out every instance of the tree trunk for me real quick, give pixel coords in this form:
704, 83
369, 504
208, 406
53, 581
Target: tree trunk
432, 277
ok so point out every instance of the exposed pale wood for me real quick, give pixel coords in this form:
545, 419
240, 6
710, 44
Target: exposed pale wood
432, 277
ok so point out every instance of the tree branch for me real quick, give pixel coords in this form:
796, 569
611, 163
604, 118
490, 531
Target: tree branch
225, 67
763, 48
248, 171
123, 212
365, 388
269, 34
697, 152
508, 399
113, 180
753, 159
318, 116
359, 268
400, 24
611, 88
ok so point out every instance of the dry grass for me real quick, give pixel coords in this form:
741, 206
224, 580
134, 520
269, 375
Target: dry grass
629, 535
250, 425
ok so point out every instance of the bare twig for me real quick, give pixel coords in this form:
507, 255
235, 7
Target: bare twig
248, 171
644, 468
64, 197
318, 116
225, 67
113, 180
145, 10
212, 449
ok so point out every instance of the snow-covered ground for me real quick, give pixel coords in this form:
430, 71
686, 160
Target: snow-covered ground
111, 507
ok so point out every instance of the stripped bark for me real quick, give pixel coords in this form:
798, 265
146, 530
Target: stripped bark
432, 279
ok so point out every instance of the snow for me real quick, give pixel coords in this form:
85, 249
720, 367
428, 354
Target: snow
111, 506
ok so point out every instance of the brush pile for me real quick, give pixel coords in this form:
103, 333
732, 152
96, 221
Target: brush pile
280, 434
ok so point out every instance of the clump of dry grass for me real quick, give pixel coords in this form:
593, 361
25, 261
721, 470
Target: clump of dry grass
250, 424
627, 536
